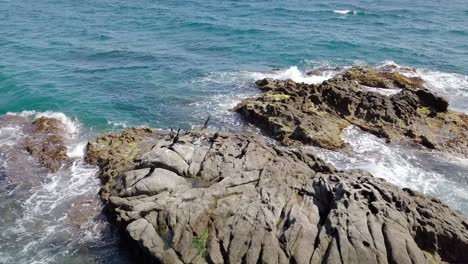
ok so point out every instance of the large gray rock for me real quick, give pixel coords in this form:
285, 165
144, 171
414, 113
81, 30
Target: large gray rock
144, 234
144, 181
166, 158
242, 200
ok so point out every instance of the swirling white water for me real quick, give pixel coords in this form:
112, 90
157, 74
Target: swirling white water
51, 217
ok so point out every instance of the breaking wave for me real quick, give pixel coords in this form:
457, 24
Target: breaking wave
344, 12
224, 90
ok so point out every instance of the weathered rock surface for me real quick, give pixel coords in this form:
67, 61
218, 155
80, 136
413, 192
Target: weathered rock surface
115, 154
316, 114
221, 198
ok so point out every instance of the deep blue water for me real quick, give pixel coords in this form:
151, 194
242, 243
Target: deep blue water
110, 64
157, 62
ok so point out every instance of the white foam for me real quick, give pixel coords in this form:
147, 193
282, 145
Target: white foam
382, 91
293, 73
77, 150
71, 126
394, 67
45, 215
387, 63
43, 218
118, 124
246, 78
25, 113
344, 12
402, 165
10, 135
447, 83
452, 84
224, 90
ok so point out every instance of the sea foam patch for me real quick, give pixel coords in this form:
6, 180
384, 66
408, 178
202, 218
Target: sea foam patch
40, 212
404, 165
293, 73
344, 12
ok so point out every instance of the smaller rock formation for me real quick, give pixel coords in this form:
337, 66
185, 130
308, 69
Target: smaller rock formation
44, 139
316, 114
368, 76
46, 142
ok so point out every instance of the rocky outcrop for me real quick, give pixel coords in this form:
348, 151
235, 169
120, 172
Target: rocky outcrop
316, 114
199, 197
43, 138
46, 142
115, 154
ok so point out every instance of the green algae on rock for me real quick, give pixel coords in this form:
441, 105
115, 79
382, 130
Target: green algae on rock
116, 153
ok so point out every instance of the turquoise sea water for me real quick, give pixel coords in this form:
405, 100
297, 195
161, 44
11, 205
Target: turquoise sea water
158, 62
104, 65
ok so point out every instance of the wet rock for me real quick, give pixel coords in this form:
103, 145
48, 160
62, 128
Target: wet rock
295, 113
270, 204
428, 99
82, 211
46, 143
368, 76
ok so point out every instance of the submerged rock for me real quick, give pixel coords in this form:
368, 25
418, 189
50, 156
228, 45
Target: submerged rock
264, 203
83, 210
316, 114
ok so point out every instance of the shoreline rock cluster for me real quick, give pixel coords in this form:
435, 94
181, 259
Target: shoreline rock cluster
298, 113
204, 197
